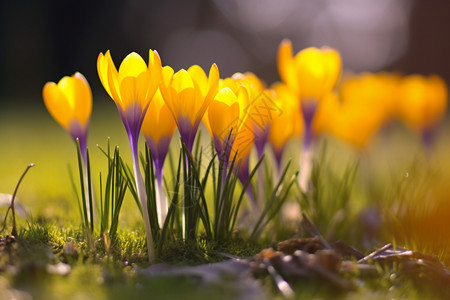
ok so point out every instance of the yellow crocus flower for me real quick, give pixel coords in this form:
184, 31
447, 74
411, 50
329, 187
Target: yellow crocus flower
368, 102
422, 100
242, 147
365, 102
326, 113
226, 117
260, 108
132, 89
235, 83
254, 85
70, 103
158, 128
378, 91
312, 73
286, 125
188, 94
356, 124
235, 97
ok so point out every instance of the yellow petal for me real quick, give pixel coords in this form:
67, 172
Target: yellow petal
113, 81
243, 99
181, 81
102, 70
213, 79
287, 103
167, 74
155, 72
423, 100
286, 65
108, 75
355, 125
226, 96
166, 122
132, 66
154, 61
317, 71
82, 97
199, 76
203, 101
158, 121
107, 69
128, 89
378, 92
333, 65
56, 103
289, 122
183, 96
244, 141
438, 98
281, 130
326, 112
165, 88
232, 84
223, 114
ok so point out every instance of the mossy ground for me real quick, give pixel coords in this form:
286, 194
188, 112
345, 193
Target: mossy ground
99, 272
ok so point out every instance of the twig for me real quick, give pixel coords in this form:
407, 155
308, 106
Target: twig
282, 285
378, 251
11, 207
312, 229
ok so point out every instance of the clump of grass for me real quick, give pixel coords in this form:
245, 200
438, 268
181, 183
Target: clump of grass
329, 202
419, 212
112, 198
206, 251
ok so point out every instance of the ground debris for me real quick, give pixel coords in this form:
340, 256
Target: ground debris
337, 264
7, 241
411, 262
309, 245
7, 244
325, 263
237, 272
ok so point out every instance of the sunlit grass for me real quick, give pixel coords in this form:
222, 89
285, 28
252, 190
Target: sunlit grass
46, 190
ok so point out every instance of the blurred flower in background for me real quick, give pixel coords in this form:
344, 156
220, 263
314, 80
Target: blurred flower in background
367, 102
423, 103
288, 124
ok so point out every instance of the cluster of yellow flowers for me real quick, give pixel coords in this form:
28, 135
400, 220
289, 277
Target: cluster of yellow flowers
357, 106
241, 111
367, 101
308, 101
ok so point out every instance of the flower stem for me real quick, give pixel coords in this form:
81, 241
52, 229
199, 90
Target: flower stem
261, 186
305, 169
185, 194
142, 198
90, 197
161, 199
